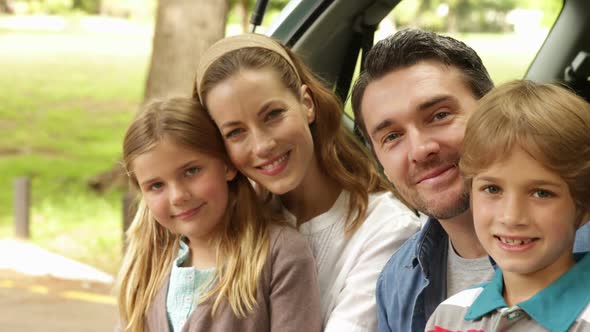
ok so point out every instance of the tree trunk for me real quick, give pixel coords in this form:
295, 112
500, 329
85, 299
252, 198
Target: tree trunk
184, 29
5, 7
242, 9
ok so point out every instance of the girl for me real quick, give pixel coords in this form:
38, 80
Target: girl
530, 189
203, 254
282, 128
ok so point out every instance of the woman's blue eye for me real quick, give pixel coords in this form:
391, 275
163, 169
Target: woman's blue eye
274, 114
234, 133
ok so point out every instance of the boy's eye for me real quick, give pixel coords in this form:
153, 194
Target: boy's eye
492, 189
191, 171
541, 193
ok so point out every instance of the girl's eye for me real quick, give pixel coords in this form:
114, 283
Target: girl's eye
440, 115
156, 186
492, 189
191, 171
541, 193
273, 114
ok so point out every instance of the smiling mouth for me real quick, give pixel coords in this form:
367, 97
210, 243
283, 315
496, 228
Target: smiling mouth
188, 213
276, 165
435, 174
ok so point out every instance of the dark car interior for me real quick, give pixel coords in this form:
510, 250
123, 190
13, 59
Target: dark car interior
331, 34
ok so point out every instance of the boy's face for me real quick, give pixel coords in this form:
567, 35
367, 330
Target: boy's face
525, 216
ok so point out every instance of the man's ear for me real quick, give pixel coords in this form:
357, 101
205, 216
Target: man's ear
307, 102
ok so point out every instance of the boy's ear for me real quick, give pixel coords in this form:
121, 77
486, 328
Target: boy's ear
230, 172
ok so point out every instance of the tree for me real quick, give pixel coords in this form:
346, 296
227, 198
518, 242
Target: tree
184, 29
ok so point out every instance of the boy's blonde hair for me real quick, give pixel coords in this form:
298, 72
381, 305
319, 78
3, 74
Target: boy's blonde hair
242, 245
548, 121
340, 156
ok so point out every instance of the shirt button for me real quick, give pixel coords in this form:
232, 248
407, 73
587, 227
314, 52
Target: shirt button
187, 299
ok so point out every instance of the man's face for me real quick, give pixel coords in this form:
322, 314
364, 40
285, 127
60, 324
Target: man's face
415, 118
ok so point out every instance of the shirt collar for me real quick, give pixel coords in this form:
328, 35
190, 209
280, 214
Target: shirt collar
555, 308
430, 238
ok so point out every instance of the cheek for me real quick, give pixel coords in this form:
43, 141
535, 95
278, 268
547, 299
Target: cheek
157, 205
238, 154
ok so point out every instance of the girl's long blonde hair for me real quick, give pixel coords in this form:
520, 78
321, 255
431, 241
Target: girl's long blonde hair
242, 245
549, 122
341, 157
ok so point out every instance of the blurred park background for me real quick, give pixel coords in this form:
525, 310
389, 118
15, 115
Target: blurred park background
74, 72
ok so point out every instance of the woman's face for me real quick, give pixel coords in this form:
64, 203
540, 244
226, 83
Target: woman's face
265, 127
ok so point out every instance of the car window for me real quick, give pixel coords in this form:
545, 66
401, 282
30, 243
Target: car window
506, 34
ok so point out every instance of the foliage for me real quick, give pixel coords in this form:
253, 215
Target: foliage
65, 103
469, 15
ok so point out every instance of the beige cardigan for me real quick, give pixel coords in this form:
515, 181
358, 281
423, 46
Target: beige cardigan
287, 295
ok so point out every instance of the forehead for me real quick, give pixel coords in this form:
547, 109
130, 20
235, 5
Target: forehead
519, 165
404, 90
245, 93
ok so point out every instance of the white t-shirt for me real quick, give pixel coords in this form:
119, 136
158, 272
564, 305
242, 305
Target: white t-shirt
348, 268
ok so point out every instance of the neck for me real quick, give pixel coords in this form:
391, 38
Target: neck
202, 254
520, 287
315, 195
462, 235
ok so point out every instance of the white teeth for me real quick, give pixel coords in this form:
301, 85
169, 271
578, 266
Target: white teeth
274, 163
515, 242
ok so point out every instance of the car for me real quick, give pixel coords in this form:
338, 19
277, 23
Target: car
330, 35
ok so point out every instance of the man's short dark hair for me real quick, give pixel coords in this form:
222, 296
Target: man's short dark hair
410, 46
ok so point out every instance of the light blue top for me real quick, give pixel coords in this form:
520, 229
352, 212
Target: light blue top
185, 289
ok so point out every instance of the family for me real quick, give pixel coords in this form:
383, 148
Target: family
260, 211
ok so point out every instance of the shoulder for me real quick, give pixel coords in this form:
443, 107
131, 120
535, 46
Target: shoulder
450, 314
285, 239
385, 213
402, 260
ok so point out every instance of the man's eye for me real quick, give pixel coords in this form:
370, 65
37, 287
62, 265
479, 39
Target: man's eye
541, 193
191, 171
492, 189
391, 137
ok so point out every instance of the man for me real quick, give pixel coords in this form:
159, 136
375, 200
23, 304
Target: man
412, 103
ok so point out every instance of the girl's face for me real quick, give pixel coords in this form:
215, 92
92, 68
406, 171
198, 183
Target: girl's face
186, 191
265, 127
525, 216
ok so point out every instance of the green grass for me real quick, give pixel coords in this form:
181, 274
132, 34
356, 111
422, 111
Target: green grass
65, 102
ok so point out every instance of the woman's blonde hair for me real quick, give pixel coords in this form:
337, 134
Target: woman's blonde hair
341, 157
549, 122
241, 246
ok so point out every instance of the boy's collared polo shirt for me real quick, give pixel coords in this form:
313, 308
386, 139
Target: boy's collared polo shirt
561, 306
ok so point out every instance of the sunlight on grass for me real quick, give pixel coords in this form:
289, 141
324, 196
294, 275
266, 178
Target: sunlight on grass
66, 100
